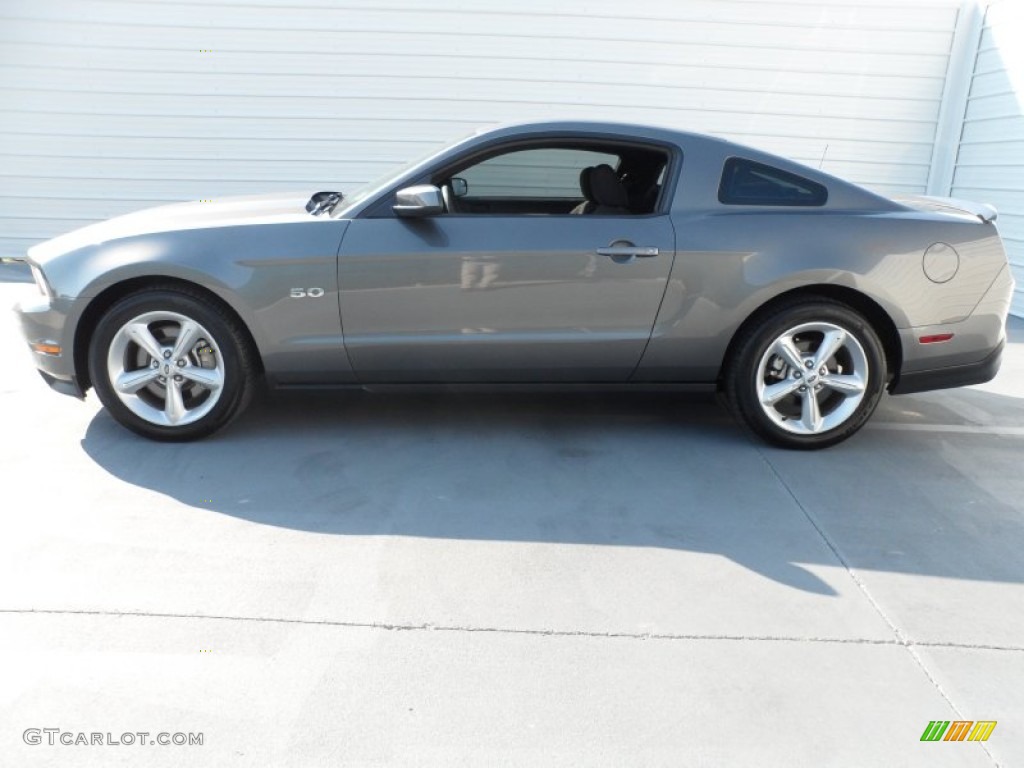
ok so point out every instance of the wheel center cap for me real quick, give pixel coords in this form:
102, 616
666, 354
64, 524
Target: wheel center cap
167, 369
812, 378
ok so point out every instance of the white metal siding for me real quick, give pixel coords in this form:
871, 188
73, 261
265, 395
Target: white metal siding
990, 164
113, 105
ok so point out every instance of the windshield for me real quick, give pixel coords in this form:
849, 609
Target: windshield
373, 188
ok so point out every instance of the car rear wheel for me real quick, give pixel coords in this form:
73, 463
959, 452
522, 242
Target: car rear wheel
169, 365
808, 375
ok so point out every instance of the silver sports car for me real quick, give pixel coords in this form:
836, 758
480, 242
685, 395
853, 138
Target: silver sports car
571, 254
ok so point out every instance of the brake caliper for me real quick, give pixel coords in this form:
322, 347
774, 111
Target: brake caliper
204, 355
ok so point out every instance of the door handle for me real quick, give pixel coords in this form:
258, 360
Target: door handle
627, 250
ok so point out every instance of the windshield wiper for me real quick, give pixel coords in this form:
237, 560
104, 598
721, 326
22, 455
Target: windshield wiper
323, 202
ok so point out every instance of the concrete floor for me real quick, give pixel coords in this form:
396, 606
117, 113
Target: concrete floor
511, 580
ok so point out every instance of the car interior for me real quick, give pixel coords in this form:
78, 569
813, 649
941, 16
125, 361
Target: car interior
579, 179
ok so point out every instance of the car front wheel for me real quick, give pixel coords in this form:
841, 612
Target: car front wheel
807, 376
169, 365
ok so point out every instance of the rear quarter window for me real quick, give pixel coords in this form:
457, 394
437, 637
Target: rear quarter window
745, 182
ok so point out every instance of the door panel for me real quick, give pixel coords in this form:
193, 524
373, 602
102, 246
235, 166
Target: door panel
500, 298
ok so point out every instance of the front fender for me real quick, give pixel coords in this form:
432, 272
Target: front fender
253, 269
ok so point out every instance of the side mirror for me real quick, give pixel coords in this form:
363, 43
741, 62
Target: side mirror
421, 200
460, 187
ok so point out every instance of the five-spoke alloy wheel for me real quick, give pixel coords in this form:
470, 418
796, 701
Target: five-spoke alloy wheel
809, 376
170, 366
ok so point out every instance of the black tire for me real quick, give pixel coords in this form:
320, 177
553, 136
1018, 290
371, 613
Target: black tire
226, 356
780, 423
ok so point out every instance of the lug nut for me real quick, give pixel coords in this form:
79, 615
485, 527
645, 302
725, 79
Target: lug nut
803, 388
179, 377
167, 354
797, 375
809, 363
823, 371
181, 363
154, 364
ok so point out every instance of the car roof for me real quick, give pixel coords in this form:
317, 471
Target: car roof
613, 128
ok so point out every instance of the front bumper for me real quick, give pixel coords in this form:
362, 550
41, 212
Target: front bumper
45, 320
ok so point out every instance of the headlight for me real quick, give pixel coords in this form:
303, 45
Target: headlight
41, 283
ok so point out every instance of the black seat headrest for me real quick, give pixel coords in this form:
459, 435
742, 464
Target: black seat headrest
606, 188
585, 183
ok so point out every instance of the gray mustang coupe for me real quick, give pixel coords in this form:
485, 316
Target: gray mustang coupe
571, 254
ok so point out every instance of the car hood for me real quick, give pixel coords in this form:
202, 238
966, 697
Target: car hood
278, 208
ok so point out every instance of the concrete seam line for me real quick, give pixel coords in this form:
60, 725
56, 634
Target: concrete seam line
960, 429
399, 627
902, 640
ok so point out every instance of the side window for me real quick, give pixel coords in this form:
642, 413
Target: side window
599, 178
745, 182
550, 174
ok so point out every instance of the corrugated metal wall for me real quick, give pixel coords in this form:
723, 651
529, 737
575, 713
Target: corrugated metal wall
990, 163
113, 105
